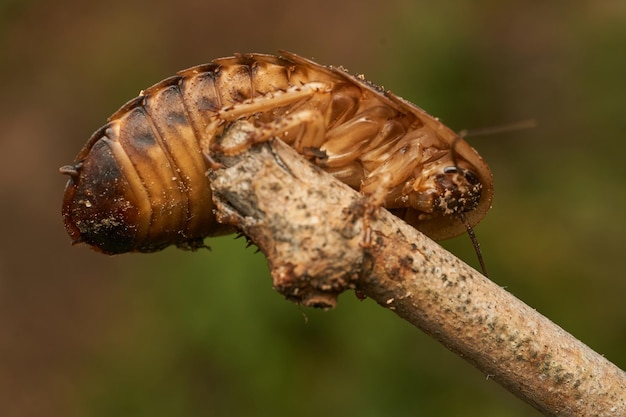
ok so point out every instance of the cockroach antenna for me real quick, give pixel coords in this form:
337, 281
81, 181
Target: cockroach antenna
494, 130
472, 236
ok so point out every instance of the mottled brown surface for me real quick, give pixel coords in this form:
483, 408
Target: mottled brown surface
316, 249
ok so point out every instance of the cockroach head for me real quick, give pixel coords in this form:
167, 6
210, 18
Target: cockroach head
459, 190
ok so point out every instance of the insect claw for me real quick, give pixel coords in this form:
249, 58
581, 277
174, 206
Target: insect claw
314, 153
360, 295
367, 237
366, 211
249, 243
212, 163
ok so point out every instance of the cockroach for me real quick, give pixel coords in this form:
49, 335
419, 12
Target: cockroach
140, 184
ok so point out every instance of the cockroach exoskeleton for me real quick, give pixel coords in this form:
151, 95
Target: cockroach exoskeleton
140, 184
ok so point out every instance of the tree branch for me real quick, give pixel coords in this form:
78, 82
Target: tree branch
311, 228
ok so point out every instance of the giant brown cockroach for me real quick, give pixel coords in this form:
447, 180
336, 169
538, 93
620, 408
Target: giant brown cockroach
140, 184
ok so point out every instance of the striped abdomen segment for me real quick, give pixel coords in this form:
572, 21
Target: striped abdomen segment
140, 182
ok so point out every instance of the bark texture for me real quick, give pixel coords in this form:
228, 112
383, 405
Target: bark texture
321, 237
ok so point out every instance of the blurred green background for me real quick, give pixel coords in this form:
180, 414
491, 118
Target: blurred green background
203, 334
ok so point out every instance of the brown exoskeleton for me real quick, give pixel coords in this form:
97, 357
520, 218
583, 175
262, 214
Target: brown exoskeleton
139, 183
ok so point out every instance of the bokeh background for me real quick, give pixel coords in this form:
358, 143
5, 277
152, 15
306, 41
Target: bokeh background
203, 334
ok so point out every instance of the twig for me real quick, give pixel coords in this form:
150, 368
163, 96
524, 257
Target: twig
310, 227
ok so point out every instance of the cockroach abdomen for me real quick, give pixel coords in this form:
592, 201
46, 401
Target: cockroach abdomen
97, 208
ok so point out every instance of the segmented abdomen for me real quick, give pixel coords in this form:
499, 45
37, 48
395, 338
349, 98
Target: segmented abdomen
140, 183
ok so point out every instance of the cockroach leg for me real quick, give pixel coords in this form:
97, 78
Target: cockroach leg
362, 209
312, 120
